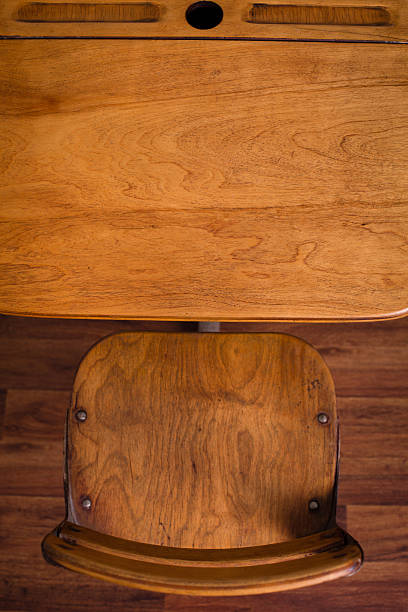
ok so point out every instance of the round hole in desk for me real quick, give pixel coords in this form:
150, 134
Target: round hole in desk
204, 15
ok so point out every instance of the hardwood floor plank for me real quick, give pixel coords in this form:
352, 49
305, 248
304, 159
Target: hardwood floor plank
366, 359
3, 397
31, 450
44, 353
35, 414
365, 416
27, 582
38, 358
381, 490
377, 587
26, 579
91, 330
374, 450
373, 437
382, 532
373, 458
33, 585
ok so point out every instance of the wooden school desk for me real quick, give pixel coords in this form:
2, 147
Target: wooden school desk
228, 161
152, 170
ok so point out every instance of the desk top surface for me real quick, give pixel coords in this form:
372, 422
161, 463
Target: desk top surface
204, 179
352, 20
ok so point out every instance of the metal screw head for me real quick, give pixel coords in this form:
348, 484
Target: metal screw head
323, 418
81, 416
86, 503
314, 505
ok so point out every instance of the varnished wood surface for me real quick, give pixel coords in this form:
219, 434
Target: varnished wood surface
38, 358
295, 19
244, 571
73, 12
199, 440
199, 455
246, 181
306, 14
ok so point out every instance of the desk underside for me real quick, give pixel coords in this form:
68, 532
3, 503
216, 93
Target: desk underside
222, 180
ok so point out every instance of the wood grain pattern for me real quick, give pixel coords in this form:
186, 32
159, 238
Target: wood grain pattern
28, 583
366, 359
3, 396
31, 442
318, 15
191, 439
358, 20
374, 461
60, 12
381, 542
380, 584
280, 567
199, 455
266, 181
380, 500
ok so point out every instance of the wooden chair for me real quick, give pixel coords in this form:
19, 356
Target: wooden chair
203, 464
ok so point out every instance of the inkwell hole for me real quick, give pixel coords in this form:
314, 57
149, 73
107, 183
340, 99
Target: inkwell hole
204, 15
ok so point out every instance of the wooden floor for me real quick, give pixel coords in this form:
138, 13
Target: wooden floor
369, 362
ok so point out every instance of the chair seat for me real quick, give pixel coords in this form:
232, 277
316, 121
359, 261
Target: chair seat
203, 464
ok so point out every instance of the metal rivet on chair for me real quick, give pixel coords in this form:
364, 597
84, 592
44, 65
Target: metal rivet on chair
323, 418
314, 505
81, 416
86, 503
